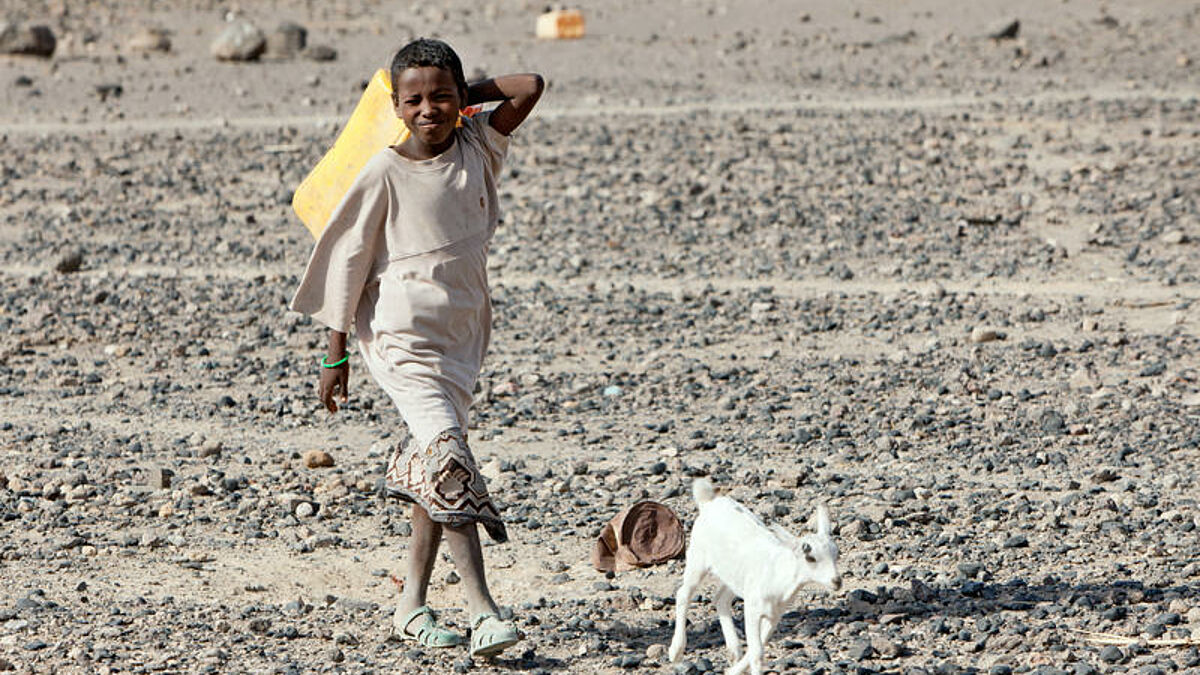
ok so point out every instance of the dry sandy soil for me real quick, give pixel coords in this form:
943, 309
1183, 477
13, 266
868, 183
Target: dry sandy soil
853, 252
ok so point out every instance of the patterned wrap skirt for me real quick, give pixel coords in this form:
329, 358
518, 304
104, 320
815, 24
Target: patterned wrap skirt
443, 479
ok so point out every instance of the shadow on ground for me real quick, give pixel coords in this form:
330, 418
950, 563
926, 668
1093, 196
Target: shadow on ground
1051, 600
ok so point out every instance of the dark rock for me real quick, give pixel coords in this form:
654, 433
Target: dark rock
69, 263
1052, 422
1016, 541
158, 477
1008, 32
320, 53
921, 591
1153, 370
970, 570
971, 589
1169, 619
628, 661
860, 600
105, 91
286, 41
30, 40
1113, 614
27, 603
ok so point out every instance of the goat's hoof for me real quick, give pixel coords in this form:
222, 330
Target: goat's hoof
675, 653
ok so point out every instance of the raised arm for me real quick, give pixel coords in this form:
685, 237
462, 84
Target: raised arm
517, 94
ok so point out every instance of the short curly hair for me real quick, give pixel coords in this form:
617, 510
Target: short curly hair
427, 52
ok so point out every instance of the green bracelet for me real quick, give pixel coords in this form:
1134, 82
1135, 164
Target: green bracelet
335, 365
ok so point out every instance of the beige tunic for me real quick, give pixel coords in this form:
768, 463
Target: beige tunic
404, 257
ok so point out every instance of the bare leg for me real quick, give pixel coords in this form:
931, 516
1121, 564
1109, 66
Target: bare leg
422, 554
468, 558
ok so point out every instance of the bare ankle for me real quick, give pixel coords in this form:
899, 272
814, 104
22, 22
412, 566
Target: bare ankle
482, 607
409, 602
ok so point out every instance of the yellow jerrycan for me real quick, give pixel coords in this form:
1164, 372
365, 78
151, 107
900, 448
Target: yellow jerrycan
372, 125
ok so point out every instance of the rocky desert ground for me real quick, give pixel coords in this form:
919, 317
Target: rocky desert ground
906, 258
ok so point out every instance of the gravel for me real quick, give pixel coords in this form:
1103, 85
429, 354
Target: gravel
942, 282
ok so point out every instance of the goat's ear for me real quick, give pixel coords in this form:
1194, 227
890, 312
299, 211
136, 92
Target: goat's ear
786, 537
821, 520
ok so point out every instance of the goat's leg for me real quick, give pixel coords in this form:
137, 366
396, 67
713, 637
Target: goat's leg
693, 574
754, 646
770, 621
767, 626
740, 666
724, 602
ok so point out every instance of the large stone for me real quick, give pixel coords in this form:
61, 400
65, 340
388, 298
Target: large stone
287, 41
240, 41
28, 40
983, 334
150, 39
316, 459
158, 477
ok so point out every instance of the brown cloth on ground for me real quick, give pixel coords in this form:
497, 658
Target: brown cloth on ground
644, 534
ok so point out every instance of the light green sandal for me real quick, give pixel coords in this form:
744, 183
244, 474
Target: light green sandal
490, 635
426, 632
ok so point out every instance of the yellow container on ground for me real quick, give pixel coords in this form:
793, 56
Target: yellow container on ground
560, 24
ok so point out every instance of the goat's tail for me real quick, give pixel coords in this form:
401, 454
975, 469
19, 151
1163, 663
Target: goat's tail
702, 491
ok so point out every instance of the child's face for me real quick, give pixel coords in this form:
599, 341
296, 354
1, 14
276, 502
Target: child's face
428, 100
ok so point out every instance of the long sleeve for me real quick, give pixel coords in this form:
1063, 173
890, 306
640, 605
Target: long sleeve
342, 258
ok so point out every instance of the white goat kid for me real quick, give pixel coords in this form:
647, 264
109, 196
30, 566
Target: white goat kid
765, 567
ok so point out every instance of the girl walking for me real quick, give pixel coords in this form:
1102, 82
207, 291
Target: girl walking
404, 259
